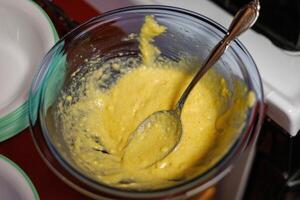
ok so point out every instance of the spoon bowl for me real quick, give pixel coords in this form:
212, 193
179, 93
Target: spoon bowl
151, 132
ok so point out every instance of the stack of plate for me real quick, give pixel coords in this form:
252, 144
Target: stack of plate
14, 183
26, 34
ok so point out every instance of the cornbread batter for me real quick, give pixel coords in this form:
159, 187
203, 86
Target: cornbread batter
98, 116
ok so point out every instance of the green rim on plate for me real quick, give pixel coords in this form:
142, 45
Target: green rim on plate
54, 32
25, 176
16, 121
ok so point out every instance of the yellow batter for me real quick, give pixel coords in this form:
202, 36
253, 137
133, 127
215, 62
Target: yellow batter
97, 118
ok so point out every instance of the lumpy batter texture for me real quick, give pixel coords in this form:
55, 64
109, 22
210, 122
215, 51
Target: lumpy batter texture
100, 110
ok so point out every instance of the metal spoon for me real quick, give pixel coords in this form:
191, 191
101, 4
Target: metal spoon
152, 140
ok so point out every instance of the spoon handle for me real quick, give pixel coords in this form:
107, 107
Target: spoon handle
242, 21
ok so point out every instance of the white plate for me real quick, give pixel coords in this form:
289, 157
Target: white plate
14, 183
26, 35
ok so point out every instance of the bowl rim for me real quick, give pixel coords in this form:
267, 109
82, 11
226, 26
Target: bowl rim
219, 169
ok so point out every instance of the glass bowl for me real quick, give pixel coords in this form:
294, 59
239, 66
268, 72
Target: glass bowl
106, 36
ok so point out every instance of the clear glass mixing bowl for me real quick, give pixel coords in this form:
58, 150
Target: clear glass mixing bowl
188, 33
